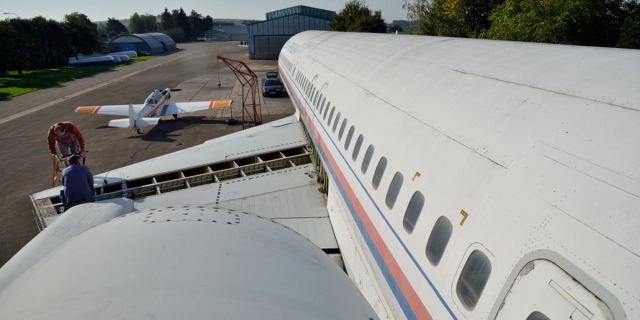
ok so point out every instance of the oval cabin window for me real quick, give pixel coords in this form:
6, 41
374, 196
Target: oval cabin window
335, 124
473, 278
344, 124
356, 147
394, 189
367, 159
331, 116
438, 240
347, 141
413, 211
377, 175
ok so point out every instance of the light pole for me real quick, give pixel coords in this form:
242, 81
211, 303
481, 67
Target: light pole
12, 14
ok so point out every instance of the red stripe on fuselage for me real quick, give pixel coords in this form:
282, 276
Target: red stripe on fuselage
409, 293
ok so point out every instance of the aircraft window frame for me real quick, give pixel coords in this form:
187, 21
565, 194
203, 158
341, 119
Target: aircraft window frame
326, 111
335, 124
347, 140
473, 279
331, 116
537, 315
367, 158
344, 125
379, 173
438, 240
394, 190
356, 147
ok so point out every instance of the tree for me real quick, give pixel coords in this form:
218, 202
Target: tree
357, 17
136, 25
166, 20
182, 22
199, 24
454, 18
150, 22
83, 34
8, 37
630, 31
581, 22
115, 27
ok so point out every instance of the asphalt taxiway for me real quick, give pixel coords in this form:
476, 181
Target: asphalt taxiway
24, 122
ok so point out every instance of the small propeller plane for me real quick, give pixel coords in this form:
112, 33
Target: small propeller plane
148, 114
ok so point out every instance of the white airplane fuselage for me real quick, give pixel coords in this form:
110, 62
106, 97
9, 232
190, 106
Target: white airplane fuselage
464, 179
154, 101
503, 179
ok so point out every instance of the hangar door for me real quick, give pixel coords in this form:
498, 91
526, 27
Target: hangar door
268, 47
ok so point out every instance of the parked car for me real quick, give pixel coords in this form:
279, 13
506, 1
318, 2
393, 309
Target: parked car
272, 85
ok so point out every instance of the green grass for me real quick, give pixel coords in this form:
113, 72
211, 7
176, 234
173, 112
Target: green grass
13, 85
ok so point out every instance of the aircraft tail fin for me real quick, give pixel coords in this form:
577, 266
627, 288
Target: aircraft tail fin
134, 122
133, 117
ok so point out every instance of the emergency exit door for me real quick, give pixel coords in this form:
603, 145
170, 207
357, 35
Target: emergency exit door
544, 291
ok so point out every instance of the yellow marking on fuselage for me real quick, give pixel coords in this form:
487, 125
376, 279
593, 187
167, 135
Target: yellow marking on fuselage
464, 216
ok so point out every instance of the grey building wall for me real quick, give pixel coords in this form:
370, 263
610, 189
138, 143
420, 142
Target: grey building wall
266, 38
227, 33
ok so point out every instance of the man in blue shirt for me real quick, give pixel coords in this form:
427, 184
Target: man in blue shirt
78, 183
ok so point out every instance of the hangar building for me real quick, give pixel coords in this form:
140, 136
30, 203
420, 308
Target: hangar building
143, 43
266, 38
227, 33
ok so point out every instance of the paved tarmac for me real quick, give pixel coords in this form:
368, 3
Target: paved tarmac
24, 122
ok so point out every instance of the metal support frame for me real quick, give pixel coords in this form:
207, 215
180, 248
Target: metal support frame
249, 81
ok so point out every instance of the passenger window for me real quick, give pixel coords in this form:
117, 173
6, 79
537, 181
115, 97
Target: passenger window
347, 141
394, 190
344, 124
537, 316
356, 148
335, 124
321, 99
331, 116
320, 112
326, 111
413, 211
367, 159
377, 175
438, 240
473, 279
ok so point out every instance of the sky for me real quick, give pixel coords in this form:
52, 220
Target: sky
217, 9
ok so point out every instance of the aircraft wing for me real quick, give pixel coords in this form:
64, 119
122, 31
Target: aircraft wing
182, 107
115, 110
